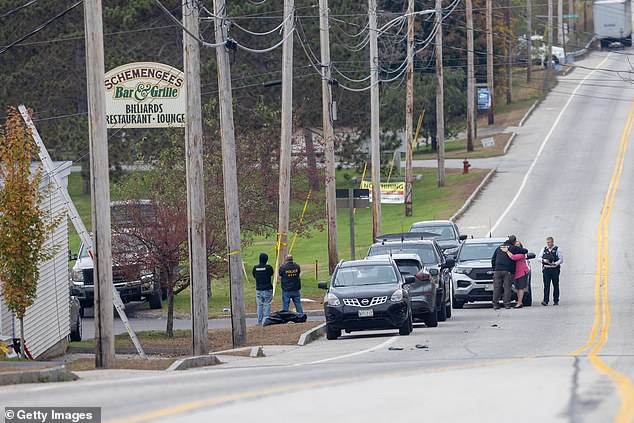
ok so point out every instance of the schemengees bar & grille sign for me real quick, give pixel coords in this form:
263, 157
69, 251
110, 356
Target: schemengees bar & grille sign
145, 95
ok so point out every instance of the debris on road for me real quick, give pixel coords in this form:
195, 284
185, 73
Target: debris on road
395, 349
421, 346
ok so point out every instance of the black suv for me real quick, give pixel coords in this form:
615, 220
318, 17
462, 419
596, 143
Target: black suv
445, 232
367, 295
432, 257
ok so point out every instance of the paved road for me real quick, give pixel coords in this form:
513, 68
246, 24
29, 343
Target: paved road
481, 365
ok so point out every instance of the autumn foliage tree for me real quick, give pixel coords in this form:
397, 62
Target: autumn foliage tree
24, 225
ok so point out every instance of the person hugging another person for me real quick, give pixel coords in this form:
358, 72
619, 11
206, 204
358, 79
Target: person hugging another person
520, 278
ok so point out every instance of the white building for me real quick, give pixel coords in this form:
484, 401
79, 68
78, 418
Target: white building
47, 321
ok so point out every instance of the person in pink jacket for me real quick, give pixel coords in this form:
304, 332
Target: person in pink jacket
521, 274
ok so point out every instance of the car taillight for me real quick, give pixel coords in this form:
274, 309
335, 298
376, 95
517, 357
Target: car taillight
423, 276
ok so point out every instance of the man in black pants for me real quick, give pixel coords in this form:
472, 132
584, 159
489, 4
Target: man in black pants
551, 257
503, 271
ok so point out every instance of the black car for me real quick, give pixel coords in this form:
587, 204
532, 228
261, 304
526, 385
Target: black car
367, 295
445, 232
433, 259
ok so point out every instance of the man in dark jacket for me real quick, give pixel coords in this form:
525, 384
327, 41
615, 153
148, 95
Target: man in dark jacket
263, 287
504, 271
291, 284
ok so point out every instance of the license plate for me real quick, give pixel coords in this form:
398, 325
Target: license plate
488, 287
366, 313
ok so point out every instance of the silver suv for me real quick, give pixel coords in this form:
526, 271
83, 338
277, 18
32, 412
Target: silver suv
472, 276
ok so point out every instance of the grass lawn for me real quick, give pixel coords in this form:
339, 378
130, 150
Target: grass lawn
457, 148
219, 339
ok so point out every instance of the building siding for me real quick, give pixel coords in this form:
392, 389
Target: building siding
47, 321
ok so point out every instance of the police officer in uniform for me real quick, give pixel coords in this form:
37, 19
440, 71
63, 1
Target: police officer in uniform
551, 258
291, 284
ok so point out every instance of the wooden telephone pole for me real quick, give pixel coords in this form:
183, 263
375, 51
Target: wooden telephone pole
195, 182
329, 136
549, 50
409, 109
529, 41
375, 149
232, 209
440, 100
509, 56
470, 78
560, 22
99, 184
490, 82
286, 132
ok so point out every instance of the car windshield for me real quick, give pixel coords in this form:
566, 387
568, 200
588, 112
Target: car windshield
480, 251
123, 244
408, 267
441, 233
366, 275
424, 251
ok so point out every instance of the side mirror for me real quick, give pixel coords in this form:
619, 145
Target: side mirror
409, 279
322, 285
530, 256
433, 272
423, 275
462, 237
449, 263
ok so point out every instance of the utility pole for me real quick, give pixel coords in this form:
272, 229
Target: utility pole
230, 177
409, 109
529, 41
286, 132
549, 49
560, 22
329, 136
195, 181
509, 56
490, 82
99, 185
440, 100
470, 77
375, 149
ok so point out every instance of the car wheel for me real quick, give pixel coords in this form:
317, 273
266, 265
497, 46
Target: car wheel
442, 313
431, 319
457, 304
332, 334
407, 327
155, 301
75, 333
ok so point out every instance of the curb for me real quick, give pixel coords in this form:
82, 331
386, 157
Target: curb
473, 196
142, 315
312, 335
510, 141
55, 374
193, 362
526, 115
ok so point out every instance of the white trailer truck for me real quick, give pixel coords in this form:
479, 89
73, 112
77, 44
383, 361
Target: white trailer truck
613, 21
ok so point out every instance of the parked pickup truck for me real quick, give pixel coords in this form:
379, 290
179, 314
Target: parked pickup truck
132, 280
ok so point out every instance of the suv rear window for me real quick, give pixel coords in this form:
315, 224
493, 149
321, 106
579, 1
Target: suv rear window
365, 275
440, 233
424, 251
407, 267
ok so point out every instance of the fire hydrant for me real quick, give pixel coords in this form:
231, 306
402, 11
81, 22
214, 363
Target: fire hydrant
465, 166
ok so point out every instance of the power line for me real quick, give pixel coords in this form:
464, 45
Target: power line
17, 9
41, 27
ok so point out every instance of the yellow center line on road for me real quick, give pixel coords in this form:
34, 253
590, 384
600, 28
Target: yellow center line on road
259, 393
602, 317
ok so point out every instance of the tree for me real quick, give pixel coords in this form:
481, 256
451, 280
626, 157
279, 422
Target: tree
23, 224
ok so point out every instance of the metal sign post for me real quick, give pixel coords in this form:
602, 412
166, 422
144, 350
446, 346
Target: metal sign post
353, 199
75, 219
